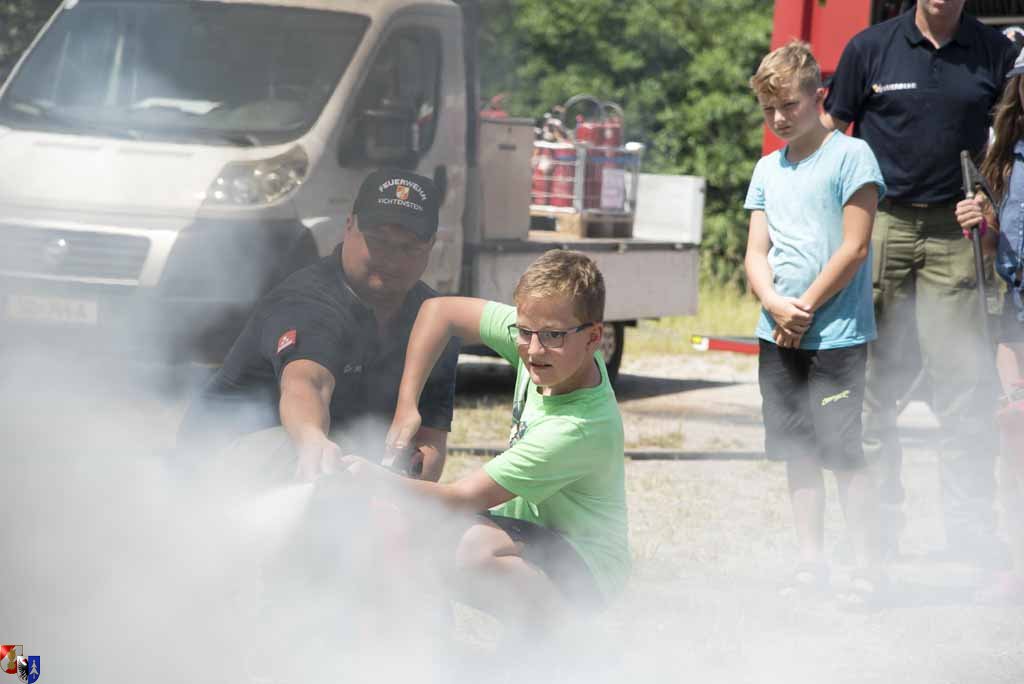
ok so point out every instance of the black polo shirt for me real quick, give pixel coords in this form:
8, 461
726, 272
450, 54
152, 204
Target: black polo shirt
918, 107
315, 315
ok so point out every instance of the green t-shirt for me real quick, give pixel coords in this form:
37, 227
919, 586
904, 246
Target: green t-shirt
565, 462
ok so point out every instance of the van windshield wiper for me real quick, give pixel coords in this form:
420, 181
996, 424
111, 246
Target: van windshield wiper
236, 138
46, 114
72, 124
239, 138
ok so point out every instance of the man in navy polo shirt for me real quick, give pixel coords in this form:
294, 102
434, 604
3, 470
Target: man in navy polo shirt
920, 88
321, 357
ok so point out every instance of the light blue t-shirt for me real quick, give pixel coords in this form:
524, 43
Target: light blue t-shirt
804, 205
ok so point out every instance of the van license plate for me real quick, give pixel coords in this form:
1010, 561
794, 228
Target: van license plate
51, 309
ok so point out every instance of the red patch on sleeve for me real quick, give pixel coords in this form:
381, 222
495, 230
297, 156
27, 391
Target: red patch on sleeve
286, 340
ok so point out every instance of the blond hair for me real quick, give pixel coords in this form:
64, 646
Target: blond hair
793, 63
561, 272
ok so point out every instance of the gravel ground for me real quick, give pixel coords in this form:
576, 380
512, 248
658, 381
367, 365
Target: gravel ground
711, 536
712, 540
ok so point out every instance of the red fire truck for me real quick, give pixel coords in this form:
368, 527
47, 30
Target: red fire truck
828, 26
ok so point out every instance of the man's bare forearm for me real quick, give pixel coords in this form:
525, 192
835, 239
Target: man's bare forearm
433, 461
304, 416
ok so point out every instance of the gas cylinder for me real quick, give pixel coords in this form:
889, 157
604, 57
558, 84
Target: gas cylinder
600, 132
563, 176
612, 157
586, 132
540, 189
590, 134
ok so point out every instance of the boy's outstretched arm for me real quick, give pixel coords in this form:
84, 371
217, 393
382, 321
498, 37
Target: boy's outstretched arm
474, 493
439, 319
858, 218
787, 312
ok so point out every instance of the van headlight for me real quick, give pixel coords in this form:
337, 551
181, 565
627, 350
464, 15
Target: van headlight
259, 182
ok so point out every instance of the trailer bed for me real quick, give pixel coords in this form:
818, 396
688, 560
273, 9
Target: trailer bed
643, 278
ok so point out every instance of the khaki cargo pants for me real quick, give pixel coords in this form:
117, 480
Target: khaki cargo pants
925, 287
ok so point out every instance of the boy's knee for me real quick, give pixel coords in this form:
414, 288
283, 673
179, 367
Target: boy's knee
478, 547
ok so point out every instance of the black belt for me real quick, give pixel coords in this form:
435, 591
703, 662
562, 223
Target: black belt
886, 204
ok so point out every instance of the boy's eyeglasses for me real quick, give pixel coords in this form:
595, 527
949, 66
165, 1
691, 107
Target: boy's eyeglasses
549, 339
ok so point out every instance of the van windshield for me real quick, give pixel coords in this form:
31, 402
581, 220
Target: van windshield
198, 72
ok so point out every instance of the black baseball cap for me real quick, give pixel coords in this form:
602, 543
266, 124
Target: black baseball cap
400, 197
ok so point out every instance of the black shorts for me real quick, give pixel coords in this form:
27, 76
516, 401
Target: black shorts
812, 401
556, 557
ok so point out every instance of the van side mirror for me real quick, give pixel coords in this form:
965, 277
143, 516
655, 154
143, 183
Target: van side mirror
388, 134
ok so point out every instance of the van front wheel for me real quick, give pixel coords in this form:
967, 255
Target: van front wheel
612, 342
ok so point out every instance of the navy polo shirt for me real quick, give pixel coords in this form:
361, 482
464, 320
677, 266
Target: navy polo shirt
315, 315
918, 106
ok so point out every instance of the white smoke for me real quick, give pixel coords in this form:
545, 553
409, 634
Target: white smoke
115, 567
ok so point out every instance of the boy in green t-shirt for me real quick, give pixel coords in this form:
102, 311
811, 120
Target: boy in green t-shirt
549, 514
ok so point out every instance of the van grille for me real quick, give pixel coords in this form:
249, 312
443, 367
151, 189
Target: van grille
71, 253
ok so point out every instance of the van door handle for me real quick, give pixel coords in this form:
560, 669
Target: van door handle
441, 181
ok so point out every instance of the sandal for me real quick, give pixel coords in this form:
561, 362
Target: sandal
809, 580
866, 592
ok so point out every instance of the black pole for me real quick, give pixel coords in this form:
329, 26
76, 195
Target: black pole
971, 184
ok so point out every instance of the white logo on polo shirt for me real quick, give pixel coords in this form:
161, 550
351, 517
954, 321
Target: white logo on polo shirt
889, 87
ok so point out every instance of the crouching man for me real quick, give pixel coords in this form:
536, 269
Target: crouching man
320, 359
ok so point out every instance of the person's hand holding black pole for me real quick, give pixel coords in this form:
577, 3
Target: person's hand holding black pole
977, 226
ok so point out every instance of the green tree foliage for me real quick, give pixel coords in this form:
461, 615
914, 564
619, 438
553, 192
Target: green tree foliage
678, 67
19, 21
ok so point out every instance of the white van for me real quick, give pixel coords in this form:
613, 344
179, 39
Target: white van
168, 162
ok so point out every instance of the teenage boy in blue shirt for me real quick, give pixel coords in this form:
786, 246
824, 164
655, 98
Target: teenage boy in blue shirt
812, 205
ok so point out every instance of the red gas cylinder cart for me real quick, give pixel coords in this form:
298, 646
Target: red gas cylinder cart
584, 178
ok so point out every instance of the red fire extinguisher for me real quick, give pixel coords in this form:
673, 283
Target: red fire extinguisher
601, 133
613, 157
563, 176
554, 161
587, 134
540, 189
612, 124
